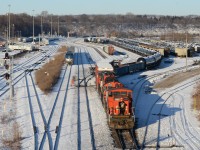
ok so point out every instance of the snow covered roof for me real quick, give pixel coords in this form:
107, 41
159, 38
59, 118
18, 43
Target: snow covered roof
104, 66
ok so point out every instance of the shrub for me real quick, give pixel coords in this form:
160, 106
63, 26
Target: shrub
196, 99
48, 75
13, 142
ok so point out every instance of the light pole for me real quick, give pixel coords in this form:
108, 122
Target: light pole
33, 26
41, 27
8, 39
13, 31
58, 25
9, 22
51, 25
186, 51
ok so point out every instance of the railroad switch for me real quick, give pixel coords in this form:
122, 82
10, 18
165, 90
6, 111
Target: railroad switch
57, 128
46, 128
35, 129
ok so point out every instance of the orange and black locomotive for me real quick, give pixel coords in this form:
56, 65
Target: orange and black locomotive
116, 99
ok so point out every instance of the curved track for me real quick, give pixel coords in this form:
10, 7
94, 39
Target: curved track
162, 104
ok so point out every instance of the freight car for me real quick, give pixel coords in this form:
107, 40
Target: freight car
116, 100
128, 68
141, 64
151, 61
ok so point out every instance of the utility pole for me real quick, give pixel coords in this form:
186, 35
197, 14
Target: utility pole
33, 26
8, 29
58, 26
9, 22
51, 25
186, 51
41, 27
13, 31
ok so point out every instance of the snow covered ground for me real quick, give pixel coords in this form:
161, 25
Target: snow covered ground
170, 121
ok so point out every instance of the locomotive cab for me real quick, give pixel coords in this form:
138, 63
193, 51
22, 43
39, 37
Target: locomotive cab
119, 108
69, 57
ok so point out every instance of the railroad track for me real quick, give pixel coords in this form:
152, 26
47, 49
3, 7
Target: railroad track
47, 127
24, 66
21, 75
102, 55
35, 131
88, 108
146, 79
186, 128
58, 129
17, 68
96, 49
162, 104
79, 137
41, 111
84, 107
124, 139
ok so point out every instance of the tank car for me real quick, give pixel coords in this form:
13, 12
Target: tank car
148, 61
158, 58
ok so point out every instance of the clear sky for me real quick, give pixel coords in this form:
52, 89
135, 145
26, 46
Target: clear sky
74, 7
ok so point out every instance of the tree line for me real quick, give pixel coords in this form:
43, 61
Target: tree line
81, 25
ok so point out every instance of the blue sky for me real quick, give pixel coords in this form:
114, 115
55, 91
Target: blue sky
74, 7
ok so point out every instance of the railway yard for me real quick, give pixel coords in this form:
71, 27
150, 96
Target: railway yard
72, 115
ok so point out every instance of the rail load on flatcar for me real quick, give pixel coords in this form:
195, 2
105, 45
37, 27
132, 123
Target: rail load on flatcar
69, 56
116, 99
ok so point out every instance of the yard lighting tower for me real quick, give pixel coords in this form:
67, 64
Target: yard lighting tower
9, 23
41, 26
58, 25
33, 26
8, 41
51, 25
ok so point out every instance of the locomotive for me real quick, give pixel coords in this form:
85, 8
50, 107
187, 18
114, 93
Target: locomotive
116, 99
69, 56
